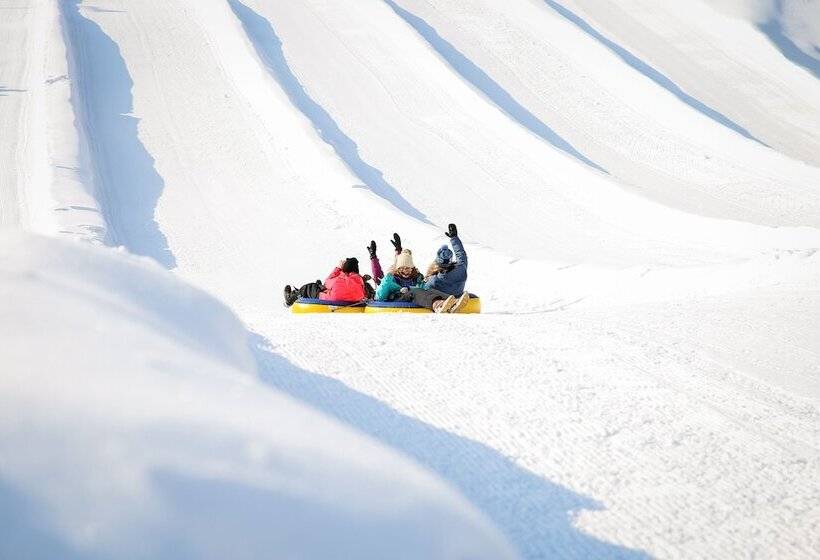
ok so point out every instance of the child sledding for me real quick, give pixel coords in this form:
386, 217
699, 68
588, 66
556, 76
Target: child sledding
402, 289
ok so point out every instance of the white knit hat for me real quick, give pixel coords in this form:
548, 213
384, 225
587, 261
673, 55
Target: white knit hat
405, 258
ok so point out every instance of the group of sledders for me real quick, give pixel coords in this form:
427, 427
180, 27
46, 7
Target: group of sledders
441, 289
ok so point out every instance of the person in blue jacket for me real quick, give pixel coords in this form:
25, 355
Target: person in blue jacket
444, 283
445, 278
445, 274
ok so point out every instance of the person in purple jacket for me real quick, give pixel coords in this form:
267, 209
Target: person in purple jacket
375, 265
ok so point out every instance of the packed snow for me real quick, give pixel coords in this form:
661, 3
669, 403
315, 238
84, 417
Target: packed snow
133, 424
638, 187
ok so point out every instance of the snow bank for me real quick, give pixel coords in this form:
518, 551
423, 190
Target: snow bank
132, 424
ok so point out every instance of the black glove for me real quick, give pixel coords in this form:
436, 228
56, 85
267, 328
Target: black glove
396, 241
451, 231
372, 249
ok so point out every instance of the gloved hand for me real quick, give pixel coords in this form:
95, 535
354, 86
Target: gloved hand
405, 290
372, 249
396, 241
451, 231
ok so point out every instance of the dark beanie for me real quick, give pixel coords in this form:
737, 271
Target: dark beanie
444, 255
351, 265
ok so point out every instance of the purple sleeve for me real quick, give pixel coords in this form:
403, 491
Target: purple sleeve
376, 269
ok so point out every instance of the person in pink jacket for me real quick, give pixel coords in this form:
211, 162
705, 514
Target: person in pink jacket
343, 284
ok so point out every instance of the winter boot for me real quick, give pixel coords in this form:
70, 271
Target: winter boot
291, 296
460, 303
444, 305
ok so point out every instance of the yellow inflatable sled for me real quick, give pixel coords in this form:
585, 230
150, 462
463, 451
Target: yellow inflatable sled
305, 305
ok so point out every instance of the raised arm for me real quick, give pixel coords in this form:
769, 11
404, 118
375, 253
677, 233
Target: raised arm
375, 265
458, 246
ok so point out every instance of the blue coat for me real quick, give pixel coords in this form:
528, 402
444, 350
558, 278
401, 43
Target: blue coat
453, 281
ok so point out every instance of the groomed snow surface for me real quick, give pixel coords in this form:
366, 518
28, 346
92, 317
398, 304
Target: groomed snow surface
638, 186
134, 425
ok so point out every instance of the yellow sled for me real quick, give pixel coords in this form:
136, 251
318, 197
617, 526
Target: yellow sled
308, 305
305, 305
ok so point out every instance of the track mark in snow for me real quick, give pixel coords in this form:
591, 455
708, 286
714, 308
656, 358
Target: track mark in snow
125, 178
649, 71
9, 196
682, 451
502, 490
5, 91
479, 79
269, 48
551, 308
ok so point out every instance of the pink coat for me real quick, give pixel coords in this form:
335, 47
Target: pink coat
343, 286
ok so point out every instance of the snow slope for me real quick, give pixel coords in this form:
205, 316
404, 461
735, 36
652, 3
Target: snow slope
637, 184
43, 186
132, 425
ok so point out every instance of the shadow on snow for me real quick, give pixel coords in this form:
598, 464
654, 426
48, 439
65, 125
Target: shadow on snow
25, 531
533, 513
212, 515
5, 91
269, 48
500, 97
128, 184
649, 71
773, 29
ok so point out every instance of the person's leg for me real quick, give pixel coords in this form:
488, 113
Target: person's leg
428, 298
311, 290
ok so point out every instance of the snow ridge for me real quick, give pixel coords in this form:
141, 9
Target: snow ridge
479, 79
644, 380
269, 48
125, 178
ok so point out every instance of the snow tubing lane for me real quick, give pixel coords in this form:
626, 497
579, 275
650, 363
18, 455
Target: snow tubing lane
308, 305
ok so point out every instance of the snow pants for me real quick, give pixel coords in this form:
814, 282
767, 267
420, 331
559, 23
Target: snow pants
311, 290
425, 298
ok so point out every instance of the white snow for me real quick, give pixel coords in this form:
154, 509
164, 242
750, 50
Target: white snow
638, 186
132, 424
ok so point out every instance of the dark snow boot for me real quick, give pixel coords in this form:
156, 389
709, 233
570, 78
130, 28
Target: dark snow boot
291, 296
